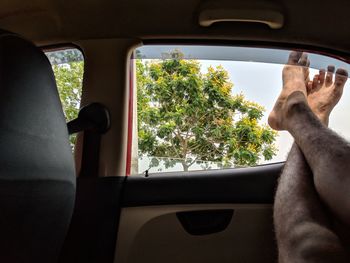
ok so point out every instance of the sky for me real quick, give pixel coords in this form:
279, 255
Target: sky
261, 83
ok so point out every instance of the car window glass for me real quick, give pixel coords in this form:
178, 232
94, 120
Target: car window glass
68, 68
206, 107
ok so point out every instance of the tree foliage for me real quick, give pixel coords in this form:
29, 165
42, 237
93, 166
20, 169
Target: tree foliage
69, 78
187, 115
65, 56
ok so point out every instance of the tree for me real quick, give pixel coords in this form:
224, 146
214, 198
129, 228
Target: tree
69, 78
186, 115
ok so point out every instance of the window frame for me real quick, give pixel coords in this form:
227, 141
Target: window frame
332, 53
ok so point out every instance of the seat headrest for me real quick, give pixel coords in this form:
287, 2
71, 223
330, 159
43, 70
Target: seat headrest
32, 125
37, 175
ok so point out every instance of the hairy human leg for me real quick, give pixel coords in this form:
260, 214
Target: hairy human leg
327, 154
302, 224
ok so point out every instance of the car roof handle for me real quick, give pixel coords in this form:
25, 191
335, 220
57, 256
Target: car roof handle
247, 12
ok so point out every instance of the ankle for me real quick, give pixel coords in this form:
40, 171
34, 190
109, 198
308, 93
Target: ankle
324, 120
296, 109
296, 104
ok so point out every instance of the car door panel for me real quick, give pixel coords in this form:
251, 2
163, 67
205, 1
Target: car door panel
150, 229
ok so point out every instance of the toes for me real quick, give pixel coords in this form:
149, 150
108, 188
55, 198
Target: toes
341, 76
308, 63
294, 57
303, 60
309, 86
315, 81
307, 75
322, 76
329, 76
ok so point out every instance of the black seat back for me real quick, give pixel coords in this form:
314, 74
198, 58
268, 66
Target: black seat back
37, 178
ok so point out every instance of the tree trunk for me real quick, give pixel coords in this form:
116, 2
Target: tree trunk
185, 166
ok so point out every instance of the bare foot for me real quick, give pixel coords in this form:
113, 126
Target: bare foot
295, 75
324, 93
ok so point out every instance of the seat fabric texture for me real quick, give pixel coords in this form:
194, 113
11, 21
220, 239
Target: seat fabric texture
37, 175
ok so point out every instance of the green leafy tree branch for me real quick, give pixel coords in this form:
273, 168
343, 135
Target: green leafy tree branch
193, 117
69, 78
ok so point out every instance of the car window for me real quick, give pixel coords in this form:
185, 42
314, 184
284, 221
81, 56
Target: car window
68, 67
206, 107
